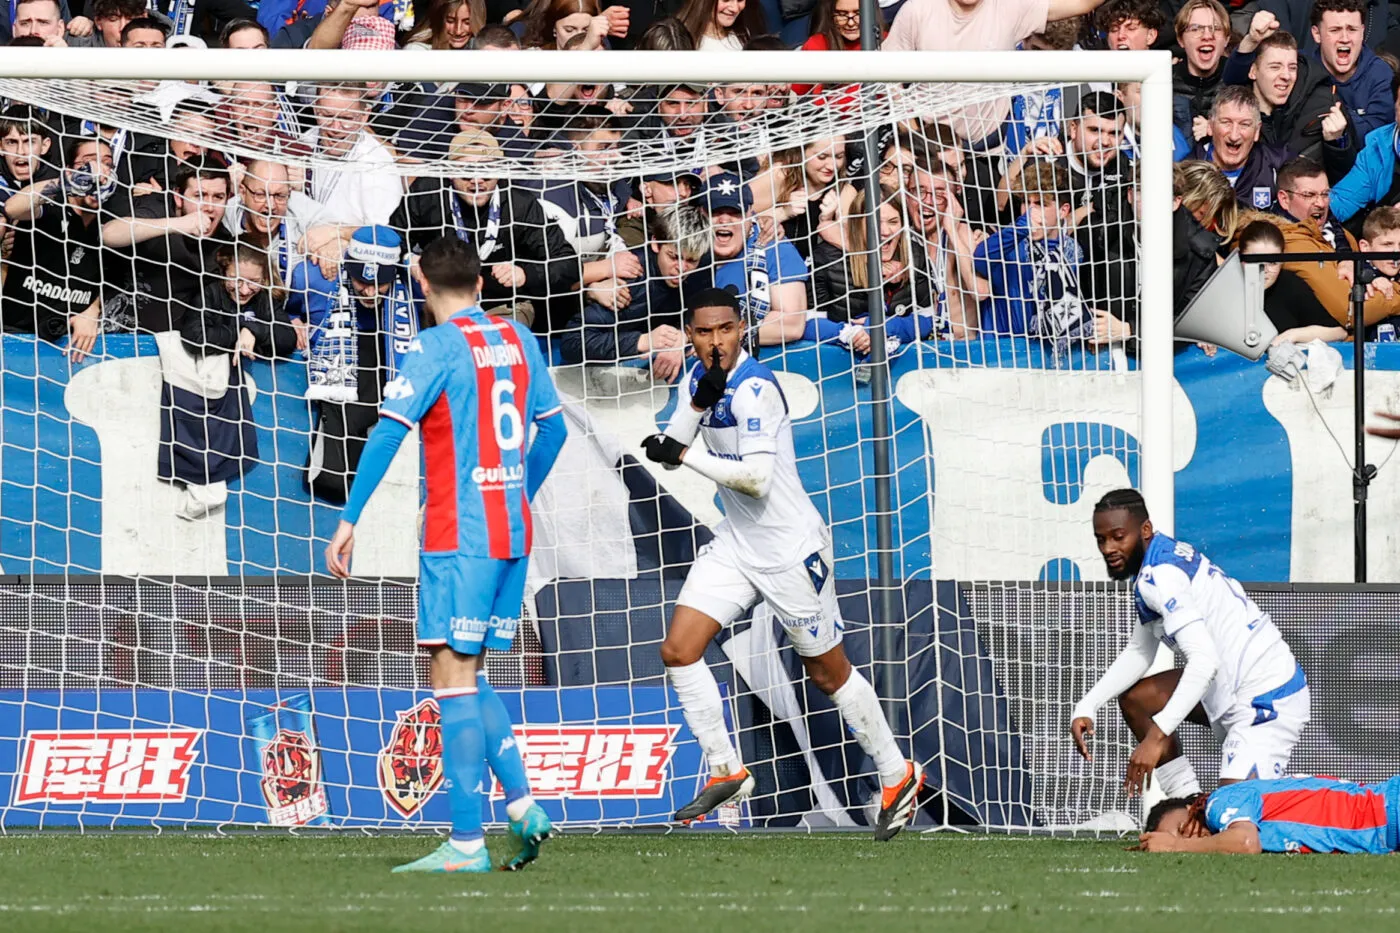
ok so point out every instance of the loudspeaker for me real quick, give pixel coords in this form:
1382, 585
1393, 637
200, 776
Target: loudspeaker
1229, 311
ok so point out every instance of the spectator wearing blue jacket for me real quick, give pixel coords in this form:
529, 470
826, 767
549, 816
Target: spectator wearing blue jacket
1181, 146
1029, 271
1362, 79
1371, 180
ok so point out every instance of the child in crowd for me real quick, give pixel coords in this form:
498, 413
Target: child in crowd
1029, 272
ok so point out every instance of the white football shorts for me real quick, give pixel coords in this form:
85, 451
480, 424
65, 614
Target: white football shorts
803, 597
1258, 734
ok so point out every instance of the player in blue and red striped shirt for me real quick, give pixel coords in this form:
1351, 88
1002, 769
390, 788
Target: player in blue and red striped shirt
475, 385
1299, 814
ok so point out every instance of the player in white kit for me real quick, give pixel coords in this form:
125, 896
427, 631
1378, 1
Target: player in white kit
1240, 677
772, 546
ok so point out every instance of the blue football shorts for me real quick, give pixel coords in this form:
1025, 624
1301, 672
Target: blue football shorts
469, 603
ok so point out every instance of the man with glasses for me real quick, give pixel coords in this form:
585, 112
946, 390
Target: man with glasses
1203, 32
1305, 201
350, 198
942, 242
268, 214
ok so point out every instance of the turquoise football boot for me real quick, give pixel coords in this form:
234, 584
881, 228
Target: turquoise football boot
530, 831
445, 859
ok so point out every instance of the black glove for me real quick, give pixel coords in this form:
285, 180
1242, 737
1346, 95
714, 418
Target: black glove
710, 388
663, 449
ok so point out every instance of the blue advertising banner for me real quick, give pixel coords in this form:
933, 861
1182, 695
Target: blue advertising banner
997, 457
351, 757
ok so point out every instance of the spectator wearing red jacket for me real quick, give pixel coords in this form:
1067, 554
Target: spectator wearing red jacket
835, 27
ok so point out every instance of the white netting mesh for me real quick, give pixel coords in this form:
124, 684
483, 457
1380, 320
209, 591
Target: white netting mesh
193, 239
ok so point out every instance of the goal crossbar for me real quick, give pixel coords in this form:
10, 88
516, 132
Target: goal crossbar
635, 67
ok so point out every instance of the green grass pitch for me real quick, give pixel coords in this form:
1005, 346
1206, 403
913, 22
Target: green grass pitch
710, 882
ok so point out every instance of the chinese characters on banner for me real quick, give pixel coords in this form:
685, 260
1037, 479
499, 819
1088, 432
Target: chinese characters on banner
149, 766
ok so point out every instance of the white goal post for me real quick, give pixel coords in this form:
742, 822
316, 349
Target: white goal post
1152, 69
255, 658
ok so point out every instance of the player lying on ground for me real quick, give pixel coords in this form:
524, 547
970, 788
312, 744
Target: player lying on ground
1240, 677
477, 384
772, 546
1295, 814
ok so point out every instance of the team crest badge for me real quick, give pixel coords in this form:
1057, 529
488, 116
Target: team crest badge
78, 254
283, 743
410, 765
1262, 198
291, 782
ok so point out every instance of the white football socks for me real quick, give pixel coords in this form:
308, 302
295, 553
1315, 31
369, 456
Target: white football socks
1177, 778
467, 846
516, 808
704, 714
860, 708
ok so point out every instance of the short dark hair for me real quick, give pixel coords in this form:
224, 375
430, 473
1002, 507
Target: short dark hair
1337, 6
451, 263
144, 22
131, 9
1163, 807
494, 36
712, 298
1263, 233
70, 151
590, 120
24, 120
1147, 12
235, 26
202, 168
1129, 499
1102, 104
1295, 169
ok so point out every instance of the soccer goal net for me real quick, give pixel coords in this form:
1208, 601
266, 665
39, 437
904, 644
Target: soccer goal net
956, 266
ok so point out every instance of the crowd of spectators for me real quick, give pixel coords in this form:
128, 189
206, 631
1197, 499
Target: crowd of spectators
1004, 217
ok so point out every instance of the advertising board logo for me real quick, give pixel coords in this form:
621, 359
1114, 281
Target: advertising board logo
291, 781
596, 761
410, 765
109, 766
561, 761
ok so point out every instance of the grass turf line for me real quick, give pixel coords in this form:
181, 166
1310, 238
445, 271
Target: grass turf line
113, 884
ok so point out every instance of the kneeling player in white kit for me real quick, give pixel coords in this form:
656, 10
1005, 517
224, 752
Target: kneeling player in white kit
772, 546
1240, 678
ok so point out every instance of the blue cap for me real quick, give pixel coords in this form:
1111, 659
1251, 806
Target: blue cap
373, 255
725, 191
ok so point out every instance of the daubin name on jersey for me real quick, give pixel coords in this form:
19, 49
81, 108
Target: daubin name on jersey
782, 528
499, 354
1177, 586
